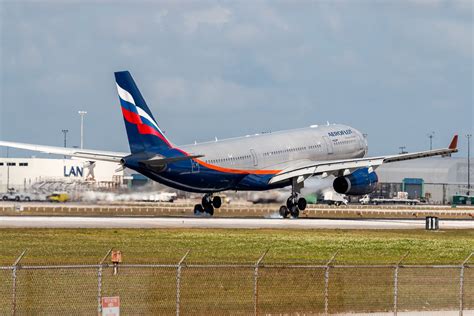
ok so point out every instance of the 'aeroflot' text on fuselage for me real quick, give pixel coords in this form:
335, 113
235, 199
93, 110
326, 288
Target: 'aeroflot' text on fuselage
340, 133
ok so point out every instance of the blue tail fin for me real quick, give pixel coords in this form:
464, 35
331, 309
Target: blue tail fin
142, 130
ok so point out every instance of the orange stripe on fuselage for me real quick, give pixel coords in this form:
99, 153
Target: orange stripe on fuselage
228, 170
235, 171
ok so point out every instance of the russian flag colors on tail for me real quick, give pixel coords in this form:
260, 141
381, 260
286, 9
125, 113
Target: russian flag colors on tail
142, 130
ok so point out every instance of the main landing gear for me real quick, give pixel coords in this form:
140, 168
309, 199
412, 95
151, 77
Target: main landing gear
294, 204
208, 204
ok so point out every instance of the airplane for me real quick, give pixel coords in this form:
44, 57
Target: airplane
250, 163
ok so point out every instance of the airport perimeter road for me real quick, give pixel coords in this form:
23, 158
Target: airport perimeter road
243, 223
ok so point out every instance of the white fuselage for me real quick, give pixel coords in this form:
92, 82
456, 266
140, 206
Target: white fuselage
277, 150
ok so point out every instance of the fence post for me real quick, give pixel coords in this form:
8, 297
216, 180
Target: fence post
395, 285
178, 282
15, 267
255, 282
99, 283
326, 283
461, 285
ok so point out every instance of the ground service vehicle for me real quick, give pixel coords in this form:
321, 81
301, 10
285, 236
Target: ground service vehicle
58, 197
12, 195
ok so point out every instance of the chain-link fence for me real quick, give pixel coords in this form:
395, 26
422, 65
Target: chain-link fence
236, 289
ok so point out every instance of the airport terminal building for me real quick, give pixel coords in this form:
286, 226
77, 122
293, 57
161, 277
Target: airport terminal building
23, 174
435, 179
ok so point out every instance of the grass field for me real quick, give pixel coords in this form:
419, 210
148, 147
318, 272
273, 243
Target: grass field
230, 290
59, 246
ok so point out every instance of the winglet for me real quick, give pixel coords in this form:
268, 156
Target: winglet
454, 143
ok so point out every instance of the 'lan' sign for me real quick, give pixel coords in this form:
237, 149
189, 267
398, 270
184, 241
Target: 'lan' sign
73, 171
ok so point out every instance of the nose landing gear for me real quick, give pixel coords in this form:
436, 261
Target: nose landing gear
208, 203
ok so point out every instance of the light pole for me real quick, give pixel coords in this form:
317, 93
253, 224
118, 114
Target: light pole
402, 149
82, 113
430, 136
65, 136
8, 170
468, 163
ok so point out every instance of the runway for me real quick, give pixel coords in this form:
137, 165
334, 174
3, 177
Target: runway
215, 222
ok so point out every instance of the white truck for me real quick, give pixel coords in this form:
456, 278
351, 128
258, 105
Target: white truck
401, 198
333, 198
12, 195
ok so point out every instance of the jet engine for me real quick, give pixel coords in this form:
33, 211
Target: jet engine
361, 181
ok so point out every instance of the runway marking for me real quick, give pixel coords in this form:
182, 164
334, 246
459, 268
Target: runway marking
208, 222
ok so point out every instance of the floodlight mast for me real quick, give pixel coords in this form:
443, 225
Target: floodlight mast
65, 131
82, 113
468, 163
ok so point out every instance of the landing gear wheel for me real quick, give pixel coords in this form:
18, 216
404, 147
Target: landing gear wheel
209, 210
295, 212
302, 204
289, 203
198, 209
284, 211
206, 201
217, 201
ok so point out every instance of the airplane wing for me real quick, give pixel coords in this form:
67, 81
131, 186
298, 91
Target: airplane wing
340, 166
73, 152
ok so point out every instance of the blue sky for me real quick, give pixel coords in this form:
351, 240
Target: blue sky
396, 70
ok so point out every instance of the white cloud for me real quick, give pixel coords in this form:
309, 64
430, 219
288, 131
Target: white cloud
271, 17
203, 62
215, 16
129, 49
433, 4
244, 33
332, 19
458, 35
208, 94
466, 6
347, 58
170, 90
444, 34
161, 15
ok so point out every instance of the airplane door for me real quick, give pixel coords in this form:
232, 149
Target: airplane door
254, 157
363, 144
194, 166
329, 147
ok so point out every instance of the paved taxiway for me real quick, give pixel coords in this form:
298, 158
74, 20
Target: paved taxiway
215, 222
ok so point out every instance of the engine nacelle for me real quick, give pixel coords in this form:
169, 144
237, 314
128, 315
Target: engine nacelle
360, 182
